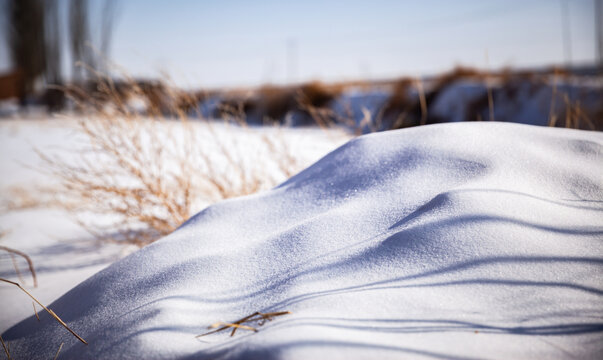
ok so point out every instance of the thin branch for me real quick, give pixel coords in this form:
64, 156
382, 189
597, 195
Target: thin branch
27, 258
52, 313
5, 347
35, 311
16, 266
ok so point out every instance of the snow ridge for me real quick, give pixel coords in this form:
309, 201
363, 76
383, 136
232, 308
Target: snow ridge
468, 240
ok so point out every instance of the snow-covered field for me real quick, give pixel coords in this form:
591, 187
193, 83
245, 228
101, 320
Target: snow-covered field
464, 240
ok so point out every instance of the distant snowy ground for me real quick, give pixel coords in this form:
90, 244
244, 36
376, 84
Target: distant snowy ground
466, 240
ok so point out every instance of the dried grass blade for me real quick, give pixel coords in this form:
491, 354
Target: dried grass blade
256, 316
35, 311
27, 258
5, 348
58, 351
52, 313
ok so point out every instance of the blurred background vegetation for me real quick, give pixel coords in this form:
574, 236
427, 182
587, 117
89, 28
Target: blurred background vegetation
369, 67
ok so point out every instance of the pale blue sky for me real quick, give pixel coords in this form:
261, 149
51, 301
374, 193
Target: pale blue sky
231, 43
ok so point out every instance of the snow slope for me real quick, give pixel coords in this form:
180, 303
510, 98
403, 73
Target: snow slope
467, 240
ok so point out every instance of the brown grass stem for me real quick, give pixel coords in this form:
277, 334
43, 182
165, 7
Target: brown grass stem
422, 101
58, 351
35, 310
52, 313
27, 258
258, 317
552, 112
5, 347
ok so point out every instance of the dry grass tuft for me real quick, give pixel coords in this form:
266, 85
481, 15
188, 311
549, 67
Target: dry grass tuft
52, 313
275, 103
144, 174
401, 109
258, 317
575, 116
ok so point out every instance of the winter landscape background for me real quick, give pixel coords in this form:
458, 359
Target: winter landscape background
301, 180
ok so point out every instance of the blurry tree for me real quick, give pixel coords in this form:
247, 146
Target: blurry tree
79, 36
53, 97
85, 48
35, 40
107, 25
52, 40
26, 41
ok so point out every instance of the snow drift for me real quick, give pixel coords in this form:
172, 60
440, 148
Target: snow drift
459, 240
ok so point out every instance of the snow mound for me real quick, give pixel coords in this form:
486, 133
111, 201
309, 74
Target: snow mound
480, 240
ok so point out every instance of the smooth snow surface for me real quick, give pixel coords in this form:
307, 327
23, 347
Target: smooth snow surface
468, 240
